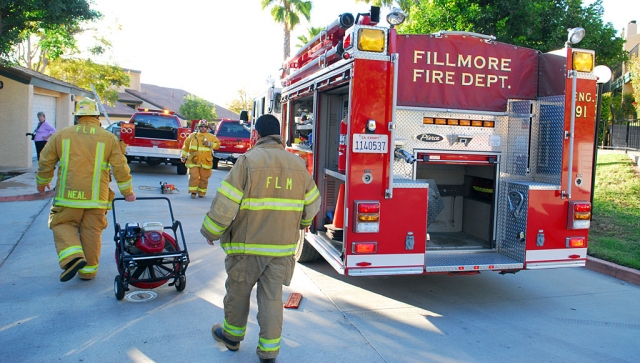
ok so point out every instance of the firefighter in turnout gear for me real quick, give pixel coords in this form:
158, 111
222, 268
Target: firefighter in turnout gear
258, 212
78, 213
197, 154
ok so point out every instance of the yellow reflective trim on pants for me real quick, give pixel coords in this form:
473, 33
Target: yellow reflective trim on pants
69, 251
269, 345
236, 331
89, 269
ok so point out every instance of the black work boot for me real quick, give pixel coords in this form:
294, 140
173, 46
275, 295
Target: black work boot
72, 269
216, 331
267, 360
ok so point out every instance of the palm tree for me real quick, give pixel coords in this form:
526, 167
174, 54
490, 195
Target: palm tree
288, 12
304, 39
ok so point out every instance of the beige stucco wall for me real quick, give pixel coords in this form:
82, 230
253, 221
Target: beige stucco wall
15, 122
16, 115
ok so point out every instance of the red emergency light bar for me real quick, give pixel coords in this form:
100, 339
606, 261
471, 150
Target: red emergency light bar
166, 112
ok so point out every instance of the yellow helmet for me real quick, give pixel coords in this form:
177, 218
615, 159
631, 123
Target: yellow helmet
203, 122
87, 106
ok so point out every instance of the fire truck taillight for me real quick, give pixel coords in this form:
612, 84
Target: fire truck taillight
364, 247
371, 40
579, 215
346, 43
576, 242
582, 61
367, 218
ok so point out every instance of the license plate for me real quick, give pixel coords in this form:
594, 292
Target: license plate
370, 143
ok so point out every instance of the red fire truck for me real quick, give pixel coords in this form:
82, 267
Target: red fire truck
441, 153
155, 137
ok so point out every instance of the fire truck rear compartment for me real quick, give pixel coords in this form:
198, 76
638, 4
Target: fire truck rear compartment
465, 221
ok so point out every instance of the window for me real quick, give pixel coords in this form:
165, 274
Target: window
159, 122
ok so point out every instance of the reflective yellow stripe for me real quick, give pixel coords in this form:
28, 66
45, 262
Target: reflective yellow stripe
125, 185
272, 204
203, 190
212, 226
72, 203
97, 172
69, 251
64, 167
306, 222
269, 345
236, 331
230, 192
43, 181
89, 269
311, 196
483, 190
204, 148
259, 249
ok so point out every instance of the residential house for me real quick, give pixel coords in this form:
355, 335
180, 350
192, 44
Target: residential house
621, 79
24, 93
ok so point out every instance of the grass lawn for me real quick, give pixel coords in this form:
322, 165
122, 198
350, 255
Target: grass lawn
615, 225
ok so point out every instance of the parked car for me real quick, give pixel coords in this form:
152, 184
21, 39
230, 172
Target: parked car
234, 141
114, 128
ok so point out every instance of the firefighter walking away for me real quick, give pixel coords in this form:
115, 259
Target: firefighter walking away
258, 212
78, 213
197, 154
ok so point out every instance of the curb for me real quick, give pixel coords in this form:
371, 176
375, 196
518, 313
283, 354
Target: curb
28, 197
619, 272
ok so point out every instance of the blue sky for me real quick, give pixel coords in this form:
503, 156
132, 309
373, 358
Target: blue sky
214, 48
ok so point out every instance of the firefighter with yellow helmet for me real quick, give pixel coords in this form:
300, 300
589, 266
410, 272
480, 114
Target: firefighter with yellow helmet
82, 197
197, 154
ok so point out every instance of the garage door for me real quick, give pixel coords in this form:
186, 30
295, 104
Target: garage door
46, 104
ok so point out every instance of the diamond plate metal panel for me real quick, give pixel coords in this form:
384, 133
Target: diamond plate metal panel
512, 219
546, 150
469, 261
409, 125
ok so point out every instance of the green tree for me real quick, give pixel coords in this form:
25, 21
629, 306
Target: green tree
622, 107
287, 13
21, 18
196, 108
311, 33
405, 5
634, 68
242, 103
536, 24
83, 72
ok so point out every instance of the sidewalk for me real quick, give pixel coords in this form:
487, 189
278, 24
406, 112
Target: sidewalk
22, 188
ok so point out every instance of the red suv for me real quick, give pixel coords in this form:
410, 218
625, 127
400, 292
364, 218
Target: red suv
234, 141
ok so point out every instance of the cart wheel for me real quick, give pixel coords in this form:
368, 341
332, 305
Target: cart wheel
181, 282
118, 287
153, 268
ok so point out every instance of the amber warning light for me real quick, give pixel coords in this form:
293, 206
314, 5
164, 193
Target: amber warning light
367, 218
579, 215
